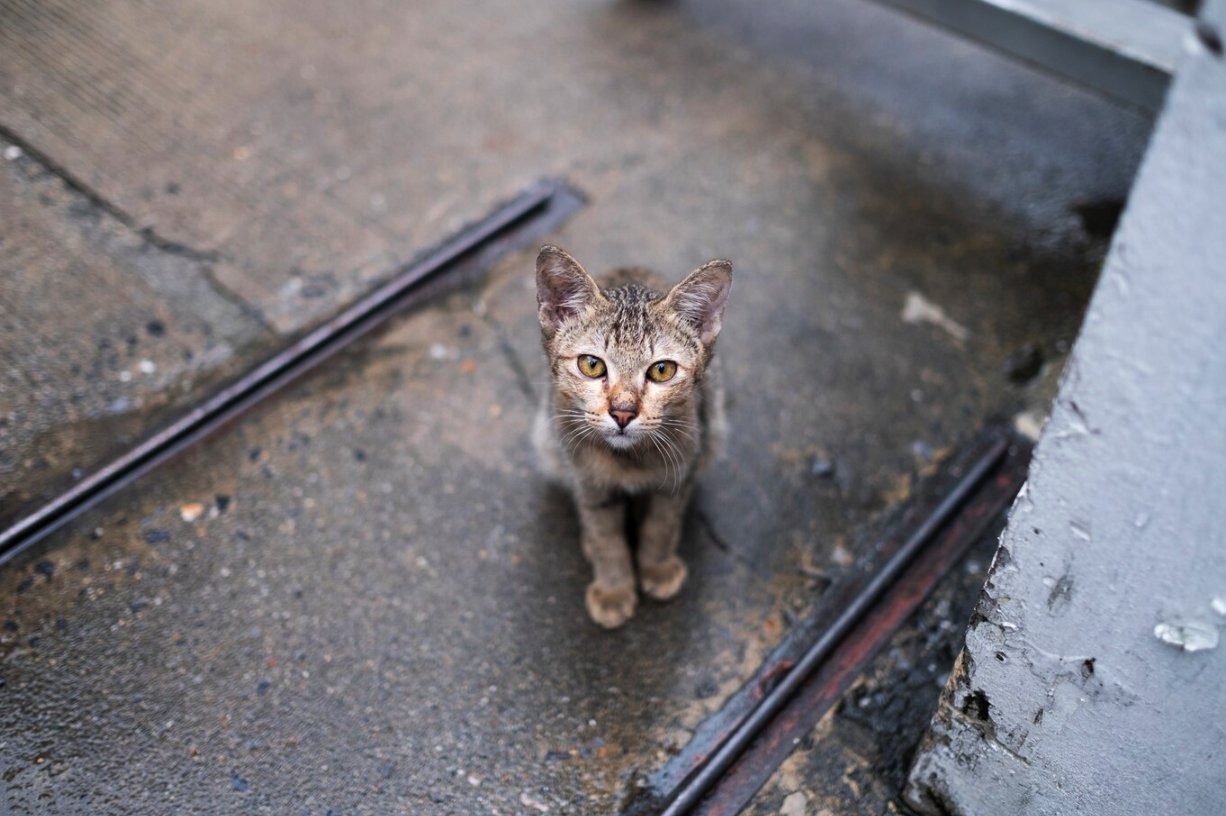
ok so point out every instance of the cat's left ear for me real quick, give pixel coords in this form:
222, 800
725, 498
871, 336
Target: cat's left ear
699, 300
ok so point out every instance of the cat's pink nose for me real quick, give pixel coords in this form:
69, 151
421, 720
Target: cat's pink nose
622, 418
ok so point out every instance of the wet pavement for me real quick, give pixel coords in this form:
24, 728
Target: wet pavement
362, 598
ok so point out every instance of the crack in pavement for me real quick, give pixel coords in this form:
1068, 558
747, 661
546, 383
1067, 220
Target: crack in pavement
148, 235
109, 207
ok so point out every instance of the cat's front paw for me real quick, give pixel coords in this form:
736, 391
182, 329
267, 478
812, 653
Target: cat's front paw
663, 580
610, 606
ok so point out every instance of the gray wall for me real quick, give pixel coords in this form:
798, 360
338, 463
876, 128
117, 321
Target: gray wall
1064, 699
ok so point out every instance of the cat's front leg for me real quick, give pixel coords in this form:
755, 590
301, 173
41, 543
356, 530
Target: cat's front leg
611, 596
661, 571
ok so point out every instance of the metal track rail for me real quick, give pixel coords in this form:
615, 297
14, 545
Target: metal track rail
734, 753
513, 225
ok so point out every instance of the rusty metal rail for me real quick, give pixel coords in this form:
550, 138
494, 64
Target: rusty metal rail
734, 753
513, 225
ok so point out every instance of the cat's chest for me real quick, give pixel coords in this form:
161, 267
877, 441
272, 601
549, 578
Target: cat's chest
641, 471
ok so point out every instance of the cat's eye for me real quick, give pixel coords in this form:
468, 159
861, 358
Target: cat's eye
591, 366
661, 371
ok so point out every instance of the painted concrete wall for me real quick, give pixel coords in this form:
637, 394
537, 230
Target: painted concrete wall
1074, 694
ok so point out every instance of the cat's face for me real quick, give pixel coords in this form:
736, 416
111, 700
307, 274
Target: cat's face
627, 361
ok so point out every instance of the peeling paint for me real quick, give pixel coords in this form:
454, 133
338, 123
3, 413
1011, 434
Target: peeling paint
1191, 636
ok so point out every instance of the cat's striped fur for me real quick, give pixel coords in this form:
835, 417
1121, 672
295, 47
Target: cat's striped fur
623, 441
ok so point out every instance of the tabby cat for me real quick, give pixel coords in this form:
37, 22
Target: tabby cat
634, 409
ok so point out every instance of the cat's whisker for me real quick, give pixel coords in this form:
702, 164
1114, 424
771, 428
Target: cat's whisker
666, 449
663, 454
575, 437
680, 430
677, 459
665, 428
572, 422
680, 458
577, 434
678, 472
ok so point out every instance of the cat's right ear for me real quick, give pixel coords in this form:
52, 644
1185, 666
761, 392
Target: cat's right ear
563, 288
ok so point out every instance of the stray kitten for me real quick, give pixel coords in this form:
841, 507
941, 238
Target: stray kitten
634, 409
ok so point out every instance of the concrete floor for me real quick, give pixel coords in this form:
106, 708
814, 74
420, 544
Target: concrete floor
379, 608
